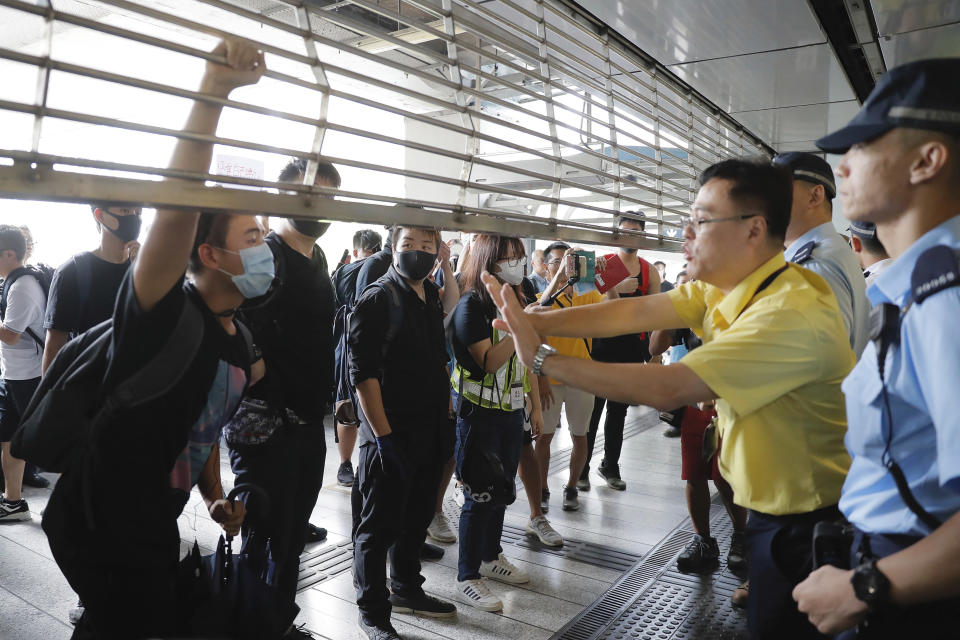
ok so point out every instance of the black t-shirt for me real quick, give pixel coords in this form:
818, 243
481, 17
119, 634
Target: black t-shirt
665, 286
295, 333
133, 510
472, 323
83, 293
413, 371
374, 268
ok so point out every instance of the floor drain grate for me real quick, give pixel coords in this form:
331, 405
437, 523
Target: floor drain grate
655, 601
323, 564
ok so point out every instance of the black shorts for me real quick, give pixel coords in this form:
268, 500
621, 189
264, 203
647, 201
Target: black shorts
14, 397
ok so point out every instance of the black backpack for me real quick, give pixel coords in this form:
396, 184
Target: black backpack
44, 275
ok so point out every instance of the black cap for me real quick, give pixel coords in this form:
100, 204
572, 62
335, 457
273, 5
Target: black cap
806, 166
919, 95
865, 230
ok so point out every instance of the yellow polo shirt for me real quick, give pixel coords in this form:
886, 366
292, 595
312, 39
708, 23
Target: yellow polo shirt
776, 360
575, 347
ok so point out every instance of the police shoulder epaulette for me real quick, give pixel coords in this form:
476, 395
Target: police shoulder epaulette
804, 253
936, 269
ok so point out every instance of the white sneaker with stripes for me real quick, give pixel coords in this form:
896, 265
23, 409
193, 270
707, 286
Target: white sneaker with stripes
477, 594
501, 570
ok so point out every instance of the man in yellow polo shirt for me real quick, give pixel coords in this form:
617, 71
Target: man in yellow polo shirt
775, 352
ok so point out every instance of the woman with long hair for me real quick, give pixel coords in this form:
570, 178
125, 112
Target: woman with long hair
491, 386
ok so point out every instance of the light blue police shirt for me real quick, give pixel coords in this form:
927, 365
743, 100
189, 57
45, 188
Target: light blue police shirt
922, 385
834, 261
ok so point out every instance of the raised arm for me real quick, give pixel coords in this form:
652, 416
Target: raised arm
163, 258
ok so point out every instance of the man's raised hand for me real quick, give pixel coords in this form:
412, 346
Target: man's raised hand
245, 65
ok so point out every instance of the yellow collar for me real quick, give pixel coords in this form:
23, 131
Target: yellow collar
737, 300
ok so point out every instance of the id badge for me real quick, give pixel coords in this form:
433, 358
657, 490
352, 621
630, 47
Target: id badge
516, 395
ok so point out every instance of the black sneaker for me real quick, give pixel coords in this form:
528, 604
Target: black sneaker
431, 552
612, 476
35, 480
379, 630
423, 605
345, 477
14, 511
571, 500
737, 557
315, 533
700, 554
545, 500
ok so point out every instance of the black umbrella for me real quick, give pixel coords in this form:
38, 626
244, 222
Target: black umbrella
227, 595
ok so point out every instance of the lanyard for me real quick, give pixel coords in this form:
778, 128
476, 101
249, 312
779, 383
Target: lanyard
763, 285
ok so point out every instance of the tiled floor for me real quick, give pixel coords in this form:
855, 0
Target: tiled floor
35, 598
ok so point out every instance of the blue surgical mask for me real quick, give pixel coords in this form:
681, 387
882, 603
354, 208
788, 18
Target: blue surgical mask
258, 270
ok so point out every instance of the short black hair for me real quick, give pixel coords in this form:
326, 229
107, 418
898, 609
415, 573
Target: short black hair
640, 221
562, 246
660, 262
398, 228
11, 238
873, 245
759, 187
297, 168
212, 229
368, 240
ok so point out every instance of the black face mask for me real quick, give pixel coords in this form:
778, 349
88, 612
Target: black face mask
128, 227
414, 265
309, 227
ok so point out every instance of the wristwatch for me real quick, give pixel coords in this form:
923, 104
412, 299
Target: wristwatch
543, 353
870, 585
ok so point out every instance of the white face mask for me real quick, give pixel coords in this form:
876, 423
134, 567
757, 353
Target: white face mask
512, 271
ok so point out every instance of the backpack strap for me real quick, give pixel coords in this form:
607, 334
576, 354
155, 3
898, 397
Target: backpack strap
165, 369
644, 277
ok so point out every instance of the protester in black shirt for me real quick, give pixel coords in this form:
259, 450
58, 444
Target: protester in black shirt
276, 438
398, 363
125, 568
366, 243
84, 288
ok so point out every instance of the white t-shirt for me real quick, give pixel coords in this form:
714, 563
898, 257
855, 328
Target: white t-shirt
25, 308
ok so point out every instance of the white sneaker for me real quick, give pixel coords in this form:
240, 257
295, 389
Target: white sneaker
501, 569
541, 528
440, 529
477, 594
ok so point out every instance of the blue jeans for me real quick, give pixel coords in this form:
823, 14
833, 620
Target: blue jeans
481, 524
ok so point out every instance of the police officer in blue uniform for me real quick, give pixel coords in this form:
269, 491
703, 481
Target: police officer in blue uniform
901, 171
813, 241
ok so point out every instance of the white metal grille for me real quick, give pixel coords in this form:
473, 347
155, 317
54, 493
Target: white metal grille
518, 116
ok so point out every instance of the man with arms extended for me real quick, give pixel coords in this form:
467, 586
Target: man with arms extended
901, 172
125, 567
774, 353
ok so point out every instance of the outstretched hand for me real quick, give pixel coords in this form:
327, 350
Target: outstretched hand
526, 339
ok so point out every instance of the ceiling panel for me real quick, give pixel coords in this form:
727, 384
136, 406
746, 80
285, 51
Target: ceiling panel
798, 124
676, 31
788, 78
900, 17
936, 42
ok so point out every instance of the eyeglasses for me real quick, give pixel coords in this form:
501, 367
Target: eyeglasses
696, 224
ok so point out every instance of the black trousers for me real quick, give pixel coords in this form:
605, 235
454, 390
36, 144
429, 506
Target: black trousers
938, 620
780, 552
393, 517
612, 432
289, 467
